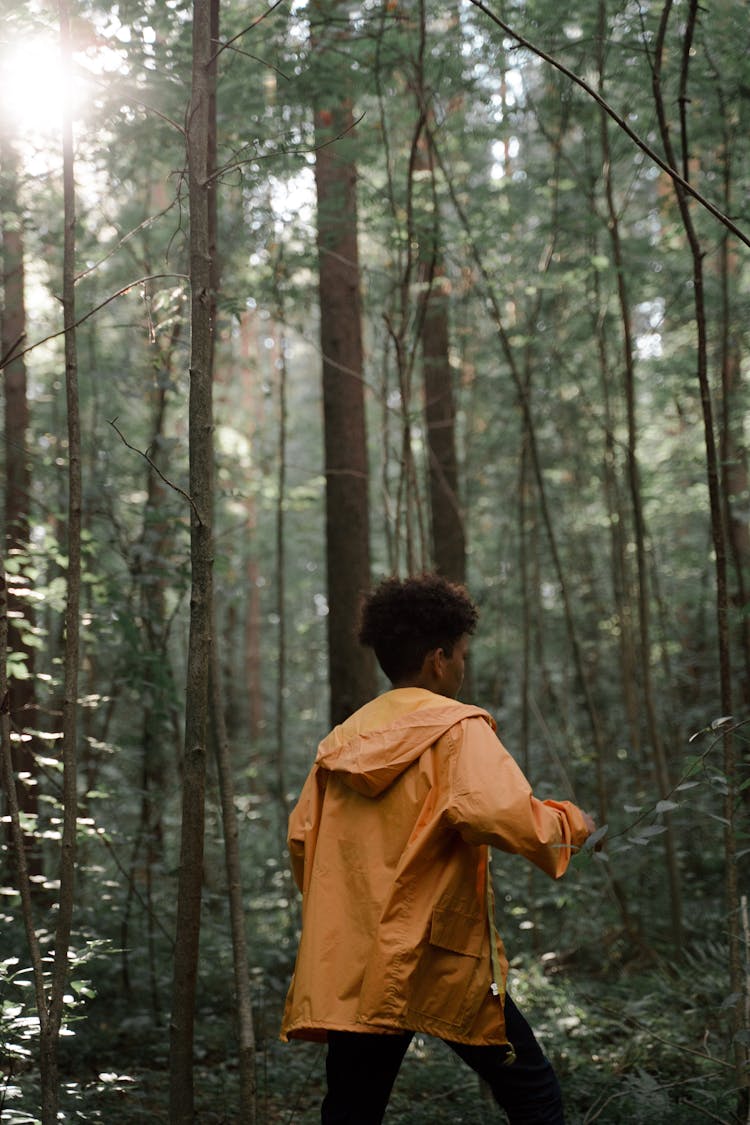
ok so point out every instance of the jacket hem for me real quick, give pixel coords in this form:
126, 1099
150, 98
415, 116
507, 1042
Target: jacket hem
318, 1032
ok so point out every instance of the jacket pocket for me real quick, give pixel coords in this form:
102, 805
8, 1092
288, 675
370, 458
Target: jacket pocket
450, 980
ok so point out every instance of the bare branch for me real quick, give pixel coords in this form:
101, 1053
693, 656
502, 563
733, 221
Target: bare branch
155, 467
234, 165
11, 354
245, 30
97, 308
620, 121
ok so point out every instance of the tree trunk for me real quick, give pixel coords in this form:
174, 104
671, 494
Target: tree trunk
733, 449
244, 1012
448, 537
737, 978
447, 521
281, 690
181, 1108
21, 691
659, 757
51, 1020
352, 673
243, 998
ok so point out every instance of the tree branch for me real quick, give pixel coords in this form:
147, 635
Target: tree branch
97, 308
155, 467
620, 121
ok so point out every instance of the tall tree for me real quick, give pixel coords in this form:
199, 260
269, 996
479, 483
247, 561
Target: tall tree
447, 518
182, 1024
22, 695
50, 1017
352, 674
717, 506
656, 741
243, 1000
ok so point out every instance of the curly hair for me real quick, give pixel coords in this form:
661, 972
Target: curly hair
403, 619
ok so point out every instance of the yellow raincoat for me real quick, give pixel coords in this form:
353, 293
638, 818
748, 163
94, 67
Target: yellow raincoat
389, 846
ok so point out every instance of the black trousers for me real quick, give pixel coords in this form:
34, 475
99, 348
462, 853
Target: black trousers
361, 1069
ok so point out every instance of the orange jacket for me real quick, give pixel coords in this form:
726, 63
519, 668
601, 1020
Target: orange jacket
389, 846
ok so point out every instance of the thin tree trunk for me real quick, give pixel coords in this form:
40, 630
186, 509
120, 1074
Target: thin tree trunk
244, 1009
242, 992
524, 747
156, 725
597, 731
616, 517
447, 520
733, 450
253, 622
51, 1019
661, 767
281, 366
403, 509
352, 670
8, 777
737, 980
181, 1107
446, 516
21, 690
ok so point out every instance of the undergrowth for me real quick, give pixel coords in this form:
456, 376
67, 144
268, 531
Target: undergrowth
634, 1048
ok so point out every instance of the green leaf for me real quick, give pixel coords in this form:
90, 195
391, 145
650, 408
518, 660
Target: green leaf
595, 837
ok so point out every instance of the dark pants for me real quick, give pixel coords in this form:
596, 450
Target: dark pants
361, 1069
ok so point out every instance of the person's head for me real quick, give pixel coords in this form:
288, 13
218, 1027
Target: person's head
418, 628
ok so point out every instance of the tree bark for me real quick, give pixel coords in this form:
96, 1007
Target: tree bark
737, 978
181, 1105
732, 445
446, 517
242, 992
282, 428
244, 1011
51, 1020
447, 520
352, 673
659, 757
21, 690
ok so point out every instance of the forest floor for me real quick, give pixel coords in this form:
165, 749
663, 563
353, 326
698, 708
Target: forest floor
628, 1052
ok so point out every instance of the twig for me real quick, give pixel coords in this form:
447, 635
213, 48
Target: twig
263, 62
155, 467
104, 839
595, 1112
245, 30
121, 242
620, 121
97, 308
233, 165
676, 1046
683, 778
705, 1112
9, 356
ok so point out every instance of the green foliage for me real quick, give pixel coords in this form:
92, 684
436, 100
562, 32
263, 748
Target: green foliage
518, 201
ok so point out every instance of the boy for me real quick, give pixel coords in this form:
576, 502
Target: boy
389, 844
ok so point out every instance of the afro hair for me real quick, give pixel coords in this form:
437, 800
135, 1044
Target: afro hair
403, 619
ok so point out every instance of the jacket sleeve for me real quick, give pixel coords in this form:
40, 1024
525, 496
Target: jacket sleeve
304, 821
491, 802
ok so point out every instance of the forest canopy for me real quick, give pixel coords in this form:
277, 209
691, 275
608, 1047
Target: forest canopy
295, 297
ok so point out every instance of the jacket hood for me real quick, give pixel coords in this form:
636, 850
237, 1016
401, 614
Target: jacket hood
369, 760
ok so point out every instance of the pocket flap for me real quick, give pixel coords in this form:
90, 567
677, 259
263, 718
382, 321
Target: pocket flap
461, 933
